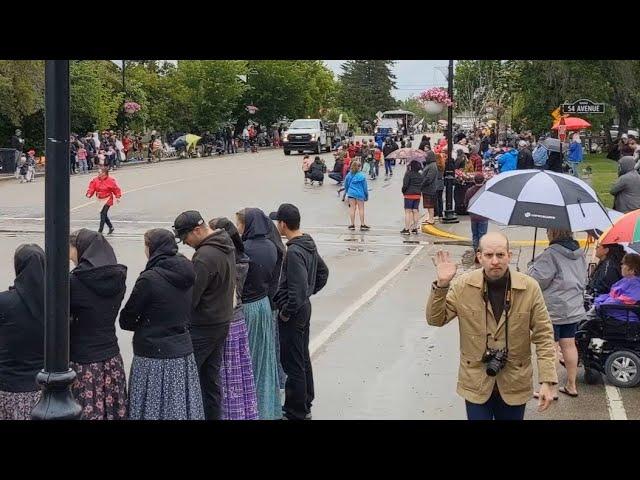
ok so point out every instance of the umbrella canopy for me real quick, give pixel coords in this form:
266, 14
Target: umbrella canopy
573, 123
625, 231
553, 145
409, 154
192, 139
540, 198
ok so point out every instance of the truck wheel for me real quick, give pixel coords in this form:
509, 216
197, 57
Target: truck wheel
300, 151
287, 152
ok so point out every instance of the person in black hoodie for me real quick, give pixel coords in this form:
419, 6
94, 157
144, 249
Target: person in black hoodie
164, 382
425, 142
212, 305
97, 287
255, 227
22, 335
304, 273
608, 270
236, 372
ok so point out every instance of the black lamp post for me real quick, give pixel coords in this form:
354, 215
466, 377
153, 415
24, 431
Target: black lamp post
449, 171
124, 99
56, 402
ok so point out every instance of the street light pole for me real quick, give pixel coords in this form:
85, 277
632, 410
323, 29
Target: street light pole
124, 100
449, 172
56, 402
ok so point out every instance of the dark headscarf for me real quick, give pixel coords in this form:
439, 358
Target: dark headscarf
256, 224
29, 266
162, 244
93, 249
230, 228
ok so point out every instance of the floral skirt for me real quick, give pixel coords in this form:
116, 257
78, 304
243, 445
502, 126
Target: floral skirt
165, 389
18, 405
239, 400
101, 390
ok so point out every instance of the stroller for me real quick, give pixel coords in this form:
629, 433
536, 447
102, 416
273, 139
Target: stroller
610, 345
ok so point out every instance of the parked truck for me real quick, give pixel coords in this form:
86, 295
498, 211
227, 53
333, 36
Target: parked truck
307, 134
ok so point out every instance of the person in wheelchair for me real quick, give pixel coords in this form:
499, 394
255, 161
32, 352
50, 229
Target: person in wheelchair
625, 291
607, 271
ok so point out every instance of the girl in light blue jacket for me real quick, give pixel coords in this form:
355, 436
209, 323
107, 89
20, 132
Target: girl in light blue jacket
357, 192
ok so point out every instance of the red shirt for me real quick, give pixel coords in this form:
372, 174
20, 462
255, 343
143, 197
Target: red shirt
104, 188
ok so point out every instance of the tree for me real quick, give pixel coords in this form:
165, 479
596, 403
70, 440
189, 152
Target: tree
365, 87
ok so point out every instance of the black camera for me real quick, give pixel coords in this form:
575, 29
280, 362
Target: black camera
495, 360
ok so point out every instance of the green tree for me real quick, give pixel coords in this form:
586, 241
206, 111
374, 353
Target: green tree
365, 87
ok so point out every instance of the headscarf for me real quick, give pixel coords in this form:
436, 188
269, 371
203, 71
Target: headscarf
162, 244
93, 249
230, 228
256, 224
29, 283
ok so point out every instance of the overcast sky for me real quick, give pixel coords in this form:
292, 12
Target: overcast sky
412, 76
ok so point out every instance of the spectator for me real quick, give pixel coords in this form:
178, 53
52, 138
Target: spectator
626, 190
479, 224
525, 157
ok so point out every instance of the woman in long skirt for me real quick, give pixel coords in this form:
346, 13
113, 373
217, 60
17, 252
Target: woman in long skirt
263, 255
164, 382
22, 335
238, 386
97, 289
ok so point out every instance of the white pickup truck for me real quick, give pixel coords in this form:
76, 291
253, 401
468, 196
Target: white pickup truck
307, 134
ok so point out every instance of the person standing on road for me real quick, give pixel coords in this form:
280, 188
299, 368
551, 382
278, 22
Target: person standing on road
97, 287
411, 191
212, 305
82, 159
255, 228
500, 313
429, 185
105, 188
357, 192
561, 271
304, 273
479, 224
22, 335
239, 400
389, 146
626, 190
164, 383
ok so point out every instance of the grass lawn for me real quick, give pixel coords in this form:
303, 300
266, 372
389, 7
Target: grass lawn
605, 173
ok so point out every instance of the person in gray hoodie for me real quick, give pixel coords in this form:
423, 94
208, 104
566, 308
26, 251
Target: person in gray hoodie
626, 190
561, 271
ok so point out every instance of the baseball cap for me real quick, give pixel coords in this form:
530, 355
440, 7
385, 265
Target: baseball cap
286, 213
185, 222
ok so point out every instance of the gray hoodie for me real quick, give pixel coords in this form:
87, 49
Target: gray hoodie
561, 271
626, 190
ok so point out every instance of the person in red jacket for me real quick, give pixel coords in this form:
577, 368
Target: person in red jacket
105, 188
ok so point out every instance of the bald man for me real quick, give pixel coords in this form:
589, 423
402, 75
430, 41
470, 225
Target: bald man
495, 376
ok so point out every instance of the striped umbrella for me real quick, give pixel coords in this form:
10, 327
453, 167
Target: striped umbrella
541, 199
625, 231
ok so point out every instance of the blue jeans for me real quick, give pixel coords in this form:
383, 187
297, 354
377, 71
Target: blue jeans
478, 229
574, 167
494, 409
387, 167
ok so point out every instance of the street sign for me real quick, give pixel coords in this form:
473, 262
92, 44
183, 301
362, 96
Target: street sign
562, 132
582, 106
379, 114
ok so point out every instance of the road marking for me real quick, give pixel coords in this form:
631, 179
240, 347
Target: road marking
614, 402
323, 336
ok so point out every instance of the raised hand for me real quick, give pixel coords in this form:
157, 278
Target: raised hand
445, 268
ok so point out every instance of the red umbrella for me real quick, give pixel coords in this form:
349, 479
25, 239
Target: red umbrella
573, 123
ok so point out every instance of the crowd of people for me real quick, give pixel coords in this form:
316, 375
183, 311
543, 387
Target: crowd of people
215, 337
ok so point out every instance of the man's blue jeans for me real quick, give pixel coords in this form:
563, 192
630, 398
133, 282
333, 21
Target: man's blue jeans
478, 229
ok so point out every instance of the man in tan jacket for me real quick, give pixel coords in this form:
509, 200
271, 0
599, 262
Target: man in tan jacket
495, 376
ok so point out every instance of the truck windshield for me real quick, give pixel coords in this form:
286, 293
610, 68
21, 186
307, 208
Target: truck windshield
304, 124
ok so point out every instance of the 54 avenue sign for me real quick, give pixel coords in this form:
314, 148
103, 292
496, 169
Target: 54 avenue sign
583, 106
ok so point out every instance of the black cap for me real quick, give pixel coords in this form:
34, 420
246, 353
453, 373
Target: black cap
286, 213
185, 222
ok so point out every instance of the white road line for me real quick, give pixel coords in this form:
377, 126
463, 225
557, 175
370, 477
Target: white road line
323, 336
614, 402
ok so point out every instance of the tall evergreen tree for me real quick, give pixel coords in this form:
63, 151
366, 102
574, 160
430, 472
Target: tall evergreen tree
366, 87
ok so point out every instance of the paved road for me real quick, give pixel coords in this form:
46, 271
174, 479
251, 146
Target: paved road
374, 355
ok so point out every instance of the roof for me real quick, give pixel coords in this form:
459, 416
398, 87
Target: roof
398, 112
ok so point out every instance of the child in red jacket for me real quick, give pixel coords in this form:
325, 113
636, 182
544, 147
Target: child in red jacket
105, 188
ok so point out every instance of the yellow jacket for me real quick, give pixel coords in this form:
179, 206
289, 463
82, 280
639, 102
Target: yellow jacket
528, 323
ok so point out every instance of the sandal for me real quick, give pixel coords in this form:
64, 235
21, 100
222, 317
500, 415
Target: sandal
567, 392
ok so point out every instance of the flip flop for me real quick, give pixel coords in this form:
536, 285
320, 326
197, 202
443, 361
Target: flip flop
537, 395
562, 363
567, 392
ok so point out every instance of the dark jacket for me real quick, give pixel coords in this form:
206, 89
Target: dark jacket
525, 159
22, 323
263, 256
337, 166
316, 171
281, 250
215, 267
554, 163
424, 142
607, 273
388, 148
96, 294
430, 176
412, 183
304, 273
473, 189
159, 308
